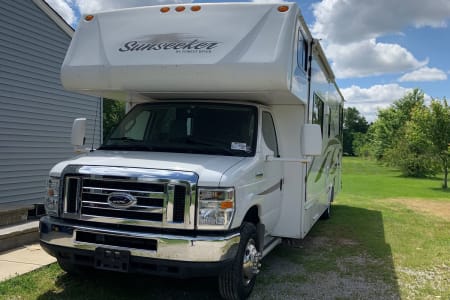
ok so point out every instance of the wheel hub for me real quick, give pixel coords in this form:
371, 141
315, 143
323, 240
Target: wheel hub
251, 263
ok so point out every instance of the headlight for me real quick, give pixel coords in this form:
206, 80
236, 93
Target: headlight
215, 208
52, 196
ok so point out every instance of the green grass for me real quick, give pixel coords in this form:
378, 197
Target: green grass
364, 179
373, 247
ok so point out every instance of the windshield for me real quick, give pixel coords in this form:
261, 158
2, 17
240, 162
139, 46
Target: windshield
206, 128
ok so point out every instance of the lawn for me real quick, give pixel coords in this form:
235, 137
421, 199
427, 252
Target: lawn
388, 238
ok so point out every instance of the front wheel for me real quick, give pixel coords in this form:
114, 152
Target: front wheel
238, 281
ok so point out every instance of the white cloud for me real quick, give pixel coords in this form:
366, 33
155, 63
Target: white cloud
346, 21
424, 74
63, 9
350, 28
368, 58
368, 100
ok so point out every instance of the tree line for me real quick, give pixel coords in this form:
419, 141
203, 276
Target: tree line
409, 134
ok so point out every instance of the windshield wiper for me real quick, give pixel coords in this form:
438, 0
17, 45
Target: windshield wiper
126, 147
211, 146
125, 138
197, 141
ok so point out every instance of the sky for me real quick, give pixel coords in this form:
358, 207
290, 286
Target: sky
378, 49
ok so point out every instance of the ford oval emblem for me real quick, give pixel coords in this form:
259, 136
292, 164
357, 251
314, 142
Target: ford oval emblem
121, 200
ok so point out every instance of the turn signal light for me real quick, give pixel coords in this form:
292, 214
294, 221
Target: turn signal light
226, 204
283, 8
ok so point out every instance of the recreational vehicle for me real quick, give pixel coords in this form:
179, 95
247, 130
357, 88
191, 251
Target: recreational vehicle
232, 142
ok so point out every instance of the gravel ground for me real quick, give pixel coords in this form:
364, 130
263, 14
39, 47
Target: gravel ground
349, 277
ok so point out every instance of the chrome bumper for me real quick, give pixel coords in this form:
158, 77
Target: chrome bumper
57, 232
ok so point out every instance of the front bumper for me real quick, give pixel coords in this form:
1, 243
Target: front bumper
163, 254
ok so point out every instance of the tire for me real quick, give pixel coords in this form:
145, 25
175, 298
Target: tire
237, 282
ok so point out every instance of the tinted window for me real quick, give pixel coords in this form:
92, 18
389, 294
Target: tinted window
318, 111
302, 51
269, 134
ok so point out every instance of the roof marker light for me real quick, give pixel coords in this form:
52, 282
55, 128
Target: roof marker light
283, 8
180, 8
164, 9
196, 8
89, 18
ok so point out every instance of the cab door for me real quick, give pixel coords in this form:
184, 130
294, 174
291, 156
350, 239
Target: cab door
272, 183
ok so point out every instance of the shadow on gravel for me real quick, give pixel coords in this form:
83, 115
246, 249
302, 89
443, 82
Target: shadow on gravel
345, 257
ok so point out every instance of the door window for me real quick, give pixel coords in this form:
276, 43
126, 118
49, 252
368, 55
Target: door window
318, 111
269, 134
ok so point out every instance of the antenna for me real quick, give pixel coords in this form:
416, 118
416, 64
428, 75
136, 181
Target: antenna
95, 122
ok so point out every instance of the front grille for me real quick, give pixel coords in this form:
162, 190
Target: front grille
72, 188
149, 199
145, 199
179, 202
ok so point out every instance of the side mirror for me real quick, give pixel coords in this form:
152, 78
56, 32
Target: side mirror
311, 140
78, 132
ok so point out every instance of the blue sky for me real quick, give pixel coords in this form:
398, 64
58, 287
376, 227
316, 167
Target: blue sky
378, 49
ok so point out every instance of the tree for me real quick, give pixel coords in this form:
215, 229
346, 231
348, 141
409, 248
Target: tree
434, 123
113, 112
388, 129
411, 136
412, 150
353, 123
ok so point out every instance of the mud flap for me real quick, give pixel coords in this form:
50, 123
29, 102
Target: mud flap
260, 232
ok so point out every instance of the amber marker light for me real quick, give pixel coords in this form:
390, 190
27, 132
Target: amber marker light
283, 8
89, 18
226, 204
196, 8
165, 9
180, 8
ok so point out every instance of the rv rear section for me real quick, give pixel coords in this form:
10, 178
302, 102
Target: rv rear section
233, 141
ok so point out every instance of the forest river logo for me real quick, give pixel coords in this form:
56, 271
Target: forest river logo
177, 42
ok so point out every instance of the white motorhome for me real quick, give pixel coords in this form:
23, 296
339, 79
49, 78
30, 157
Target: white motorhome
233, 142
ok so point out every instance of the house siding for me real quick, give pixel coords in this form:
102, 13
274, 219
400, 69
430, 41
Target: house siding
36, 113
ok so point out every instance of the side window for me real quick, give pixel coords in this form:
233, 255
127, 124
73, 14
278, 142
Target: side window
318, 110
269, 134
302, 52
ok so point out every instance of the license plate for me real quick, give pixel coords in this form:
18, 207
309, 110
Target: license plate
112, 260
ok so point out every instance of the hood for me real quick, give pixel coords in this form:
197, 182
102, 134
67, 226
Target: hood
209, 168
